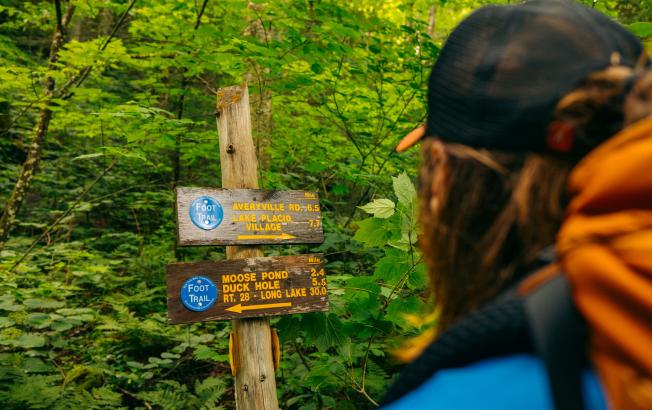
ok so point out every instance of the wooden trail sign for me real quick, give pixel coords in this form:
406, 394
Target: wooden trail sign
247, 216
239, 288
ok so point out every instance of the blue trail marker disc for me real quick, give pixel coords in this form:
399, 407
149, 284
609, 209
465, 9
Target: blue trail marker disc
198, 293
206, 213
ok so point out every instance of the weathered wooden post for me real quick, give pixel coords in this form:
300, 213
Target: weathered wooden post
247, 285
255, 383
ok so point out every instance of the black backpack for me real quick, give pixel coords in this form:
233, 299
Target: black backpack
545, 323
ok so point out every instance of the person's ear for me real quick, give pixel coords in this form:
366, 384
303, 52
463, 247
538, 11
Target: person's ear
439, 184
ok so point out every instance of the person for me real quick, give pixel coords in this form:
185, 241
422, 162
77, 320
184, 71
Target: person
536, 214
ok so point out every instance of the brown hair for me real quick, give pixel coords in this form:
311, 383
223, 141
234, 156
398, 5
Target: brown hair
490, 222
487, 214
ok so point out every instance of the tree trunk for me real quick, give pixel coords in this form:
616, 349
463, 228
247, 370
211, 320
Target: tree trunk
432, 16
40, 132
105, 24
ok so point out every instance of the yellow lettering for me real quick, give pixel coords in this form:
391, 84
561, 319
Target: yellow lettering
267, 285
275, 218
239, 277
264, 227
274, 275
243, 218
235, 287
270, 294
295, 293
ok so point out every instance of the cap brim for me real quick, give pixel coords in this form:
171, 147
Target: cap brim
412, 138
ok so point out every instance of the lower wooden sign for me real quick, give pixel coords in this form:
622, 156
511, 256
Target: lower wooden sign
239, 288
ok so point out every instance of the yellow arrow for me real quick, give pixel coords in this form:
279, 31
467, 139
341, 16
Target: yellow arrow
239, 308
281, 236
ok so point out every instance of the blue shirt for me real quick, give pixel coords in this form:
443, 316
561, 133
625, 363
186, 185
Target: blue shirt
516, 382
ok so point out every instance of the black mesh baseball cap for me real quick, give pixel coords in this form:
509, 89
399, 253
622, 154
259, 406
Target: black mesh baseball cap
504, 68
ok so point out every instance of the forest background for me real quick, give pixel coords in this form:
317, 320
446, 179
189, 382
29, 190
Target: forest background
107, 105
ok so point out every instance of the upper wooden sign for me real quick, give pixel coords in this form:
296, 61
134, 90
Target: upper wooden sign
239, 288
208, 216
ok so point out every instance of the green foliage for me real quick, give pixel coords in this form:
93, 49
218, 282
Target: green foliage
369, 311
379, 208
641, 29
83, 316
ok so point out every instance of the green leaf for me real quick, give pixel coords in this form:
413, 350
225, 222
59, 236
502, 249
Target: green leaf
315, 167
642, 29
203, 352
325, 330
88, 156
62, 325
104, 397
167, 355
418, 278
35, 365
316, 68
404, 190
75, 311
29, 341
380, 208
401, 306
392, 266
210, 390
6, 322
135, 365
35, 303
7, 302
38, 320
372, 232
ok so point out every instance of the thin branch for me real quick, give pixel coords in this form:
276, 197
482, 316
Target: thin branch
19, 115
151, 184
133, 396
399, 285
393, 126
201, 13
78, 79
208, 86
297, 348
364, 393
291, 49
262, 22
63, 215
344, 127
57, 8
117, 26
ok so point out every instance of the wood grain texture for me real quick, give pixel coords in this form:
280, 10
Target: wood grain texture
263, 281
255, 383
252, 216
237, 152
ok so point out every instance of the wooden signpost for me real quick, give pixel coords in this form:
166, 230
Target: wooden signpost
247, 216
246, 285
251, 287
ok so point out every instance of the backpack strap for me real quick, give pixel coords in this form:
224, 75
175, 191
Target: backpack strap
544, 322
558, 336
